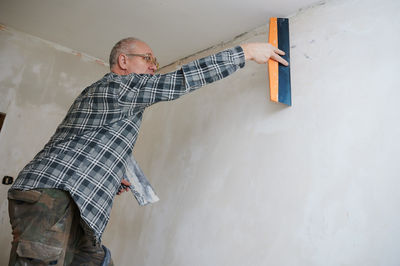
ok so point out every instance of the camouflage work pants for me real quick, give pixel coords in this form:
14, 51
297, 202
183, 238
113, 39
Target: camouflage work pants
48, 230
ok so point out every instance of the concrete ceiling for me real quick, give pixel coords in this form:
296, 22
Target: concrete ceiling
173, 28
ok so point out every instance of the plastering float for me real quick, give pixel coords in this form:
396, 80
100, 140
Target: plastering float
279, 75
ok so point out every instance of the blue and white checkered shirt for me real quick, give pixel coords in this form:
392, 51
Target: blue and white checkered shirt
90, 152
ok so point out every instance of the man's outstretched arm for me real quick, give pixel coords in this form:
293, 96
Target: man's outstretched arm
139, 91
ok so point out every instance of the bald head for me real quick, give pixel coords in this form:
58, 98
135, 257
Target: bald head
122, 47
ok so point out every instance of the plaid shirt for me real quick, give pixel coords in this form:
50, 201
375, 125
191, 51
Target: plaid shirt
89, 153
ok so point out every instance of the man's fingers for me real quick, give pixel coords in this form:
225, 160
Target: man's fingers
125, 186
280, 59
125, 182
278, 51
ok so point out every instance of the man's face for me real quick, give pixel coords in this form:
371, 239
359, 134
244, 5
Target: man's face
138, 64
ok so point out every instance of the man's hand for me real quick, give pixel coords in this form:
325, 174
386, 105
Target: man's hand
125, 186
262, 52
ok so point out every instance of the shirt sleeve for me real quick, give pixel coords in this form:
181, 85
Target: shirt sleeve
142, 90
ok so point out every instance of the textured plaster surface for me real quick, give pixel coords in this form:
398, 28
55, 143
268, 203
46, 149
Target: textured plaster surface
244, 181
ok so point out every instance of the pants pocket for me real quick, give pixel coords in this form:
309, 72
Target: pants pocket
41, 223
28, 196
38, 253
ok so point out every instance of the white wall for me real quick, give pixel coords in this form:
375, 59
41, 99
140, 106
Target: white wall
38, 82
244, 181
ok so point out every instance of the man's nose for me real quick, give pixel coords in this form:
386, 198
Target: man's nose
153, 66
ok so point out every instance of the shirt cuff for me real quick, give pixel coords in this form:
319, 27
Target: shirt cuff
238, 56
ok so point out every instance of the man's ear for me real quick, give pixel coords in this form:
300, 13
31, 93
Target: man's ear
122, 61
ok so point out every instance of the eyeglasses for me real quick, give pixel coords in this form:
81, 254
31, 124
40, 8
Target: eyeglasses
148, 58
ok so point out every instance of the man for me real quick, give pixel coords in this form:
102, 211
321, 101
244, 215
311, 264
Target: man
60, 203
